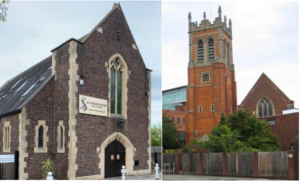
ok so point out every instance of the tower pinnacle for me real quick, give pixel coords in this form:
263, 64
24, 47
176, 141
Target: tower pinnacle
230, 23
220, 12
225, 19
204, 15
190, 16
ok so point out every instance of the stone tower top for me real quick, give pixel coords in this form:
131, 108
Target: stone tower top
205, 24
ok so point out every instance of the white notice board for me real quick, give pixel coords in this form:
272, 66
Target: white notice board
7, 158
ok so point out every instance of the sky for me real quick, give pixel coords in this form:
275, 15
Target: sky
265, 39
34, 28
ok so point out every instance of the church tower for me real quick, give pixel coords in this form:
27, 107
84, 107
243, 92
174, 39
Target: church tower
211, 78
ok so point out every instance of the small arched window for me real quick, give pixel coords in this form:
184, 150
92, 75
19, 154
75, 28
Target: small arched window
40, 137
200, 51
116, 87
211, 50
61, 137
265, 108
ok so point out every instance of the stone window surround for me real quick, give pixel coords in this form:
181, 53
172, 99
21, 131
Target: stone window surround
7, 140
200, 110
271, 102
212, 108
205, 49
125, 77
209, 76
59, 148
37, 149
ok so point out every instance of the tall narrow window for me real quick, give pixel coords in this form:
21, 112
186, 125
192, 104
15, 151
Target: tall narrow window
211, 51
5, 137
228, 57
223, 48
40, 137
200, 51
118, 36
61, 137
116, 87
265, 108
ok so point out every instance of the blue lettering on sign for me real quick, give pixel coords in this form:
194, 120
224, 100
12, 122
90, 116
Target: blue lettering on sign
84, 107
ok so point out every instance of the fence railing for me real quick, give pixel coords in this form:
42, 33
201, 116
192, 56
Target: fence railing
281, 164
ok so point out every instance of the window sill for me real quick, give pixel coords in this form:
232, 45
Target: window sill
7, 150
40, 150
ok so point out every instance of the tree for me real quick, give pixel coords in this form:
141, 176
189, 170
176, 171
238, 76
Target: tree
3, 10
254, 133
242, 132
223, 120
156, 135
170, 136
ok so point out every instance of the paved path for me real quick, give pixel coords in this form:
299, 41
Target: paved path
205, 177
140, 177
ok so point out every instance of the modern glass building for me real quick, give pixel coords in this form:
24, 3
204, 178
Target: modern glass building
174, 97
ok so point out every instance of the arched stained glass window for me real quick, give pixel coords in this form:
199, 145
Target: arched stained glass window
40, 137
211, 50
200, 51
265, 108
116, 87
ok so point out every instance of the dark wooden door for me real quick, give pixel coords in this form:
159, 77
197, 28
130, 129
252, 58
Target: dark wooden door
114, 159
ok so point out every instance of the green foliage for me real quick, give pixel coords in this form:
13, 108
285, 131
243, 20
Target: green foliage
3, 10
194, 141
242, 133
254, 133
156, 135
48, 166
169, 152
170, 136
152, 164
223, 120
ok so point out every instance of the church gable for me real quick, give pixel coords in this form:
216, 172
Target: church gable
265, 90
113, 34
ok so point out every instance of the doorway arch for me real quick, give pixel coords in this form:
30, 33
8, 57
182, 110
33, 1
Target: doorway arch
129, 149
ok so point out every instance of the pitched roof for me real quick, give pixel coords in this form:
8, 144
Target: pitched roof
261, 76
18, 91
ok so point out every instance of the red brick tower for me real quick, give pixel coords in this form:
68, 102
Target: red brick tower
211, 77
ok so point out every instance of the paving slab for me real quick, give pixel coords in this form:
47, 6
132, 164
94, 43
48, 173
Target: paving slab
206, 177
139, 177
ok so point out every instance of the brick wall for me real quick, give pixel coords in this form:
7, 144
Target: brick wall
175, 115
92, 130
7, 170
286, 128
40, 108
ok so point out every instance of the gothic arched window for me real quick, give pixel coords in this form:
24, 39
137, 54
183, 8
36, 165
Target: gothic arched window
5, 137
116, 87
61, 137
228, 57
40, 137
265, 108
200, 51
211, 50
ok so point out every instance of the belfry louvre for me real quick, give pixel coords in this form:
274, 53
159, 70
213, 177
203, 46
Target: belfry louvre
79, 107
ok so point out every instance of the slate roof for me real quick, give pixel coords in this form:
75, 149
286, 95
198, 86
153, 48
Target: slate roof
18, 91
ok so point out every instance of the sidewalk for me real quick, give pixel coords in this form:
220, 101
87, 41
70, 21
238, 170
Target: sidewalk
139, 177
205, 177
